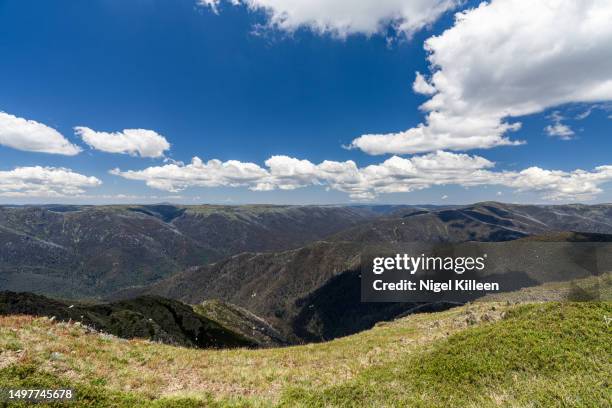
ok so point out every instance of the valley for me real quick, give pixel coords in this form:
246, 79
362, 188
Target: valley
92, 251
295, 269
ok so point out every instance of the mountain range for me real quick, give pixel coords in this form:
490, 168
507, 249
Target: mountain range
92, 251
296, 268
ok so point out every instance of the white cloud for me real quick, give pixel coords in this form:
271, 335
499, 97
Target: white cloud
558, 128
421, 86
560, 185
585, 114
506, 59
135, 142
40, 181
32, 136
441, 132
394, 175
345, 17
177, 176
605, 107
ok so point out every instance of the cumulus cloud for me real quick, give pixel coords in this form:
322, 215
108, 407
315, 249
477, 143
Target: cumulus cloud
502, 60
177, 176
32, 136
394, 175
40, 181
558, 128
135, 142
345, 17
560, 185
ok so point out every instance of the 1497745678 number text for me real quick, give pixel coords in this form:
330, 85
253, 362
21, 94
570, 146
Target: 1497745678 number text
34, 394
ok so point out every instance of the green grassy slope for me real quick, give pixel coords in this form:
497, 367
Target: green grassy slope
539, 355
490, 354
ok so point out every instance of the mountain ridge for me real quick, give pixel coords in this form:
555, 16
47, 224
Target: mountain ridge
154, 318
89, 251
310, 293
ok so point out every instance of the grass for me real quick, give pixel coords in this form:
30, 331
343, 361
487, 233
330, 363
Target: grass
153, 369
482, 354
594, 288
539, 355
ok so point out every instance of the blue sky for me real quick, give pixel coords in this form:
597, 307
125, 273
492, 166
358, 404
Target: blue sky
221, 86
